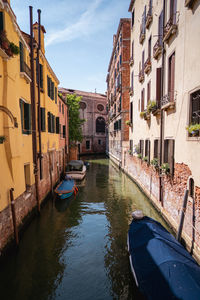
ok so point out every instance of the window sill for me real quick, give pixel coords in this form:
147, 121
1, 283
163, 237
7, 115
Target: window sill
3, 54
25, 76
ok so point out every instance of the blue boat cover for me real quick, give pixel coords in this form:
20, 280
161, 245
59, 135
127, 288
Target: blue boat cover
163, 268
66, 185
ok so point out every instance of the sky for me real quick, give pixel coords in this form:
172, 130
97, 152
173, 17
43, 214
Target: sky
78, 39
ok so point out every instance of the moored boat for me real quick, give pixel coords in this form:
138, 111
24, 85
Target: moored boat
161, 266
76, 169
66, 188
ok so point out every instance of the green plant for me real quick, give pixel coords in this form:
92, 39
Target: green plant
137, 149
145, 158
152, 106
140, 155
193, 129
14, 48
143, 114
154, 163
165, 168
2, 139
128, 122
129, 151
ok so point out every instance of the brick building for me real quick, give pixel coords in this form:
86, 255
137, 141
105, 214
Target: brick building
93, 110
118, 88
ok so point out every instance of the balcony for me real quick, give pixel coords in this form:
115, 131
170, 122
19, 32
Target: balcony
141, 76
149, 17
169, 29
168, 101
189, 3
25, 72
147, 65
157, 49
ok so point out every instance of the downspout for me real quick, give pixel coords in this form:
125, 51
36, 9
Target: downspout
161, 111
39, 111
34, 137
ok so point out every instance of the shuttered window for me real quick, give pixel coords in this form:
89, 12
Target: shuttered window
171, 77
169, 154
131, 112
142, 100
56, 94
131, 146
142, 147
57, 124
158, 86
173, 5
53, 124
41, 76
160, 28
21, 53
148, 91
157, 149
1, 21
64, 131
43, 119
119, 124
147, 150
25, 109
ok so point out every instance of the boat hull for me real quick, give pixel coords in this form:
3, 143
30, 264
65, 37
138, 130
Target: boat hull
77, 175
66, 188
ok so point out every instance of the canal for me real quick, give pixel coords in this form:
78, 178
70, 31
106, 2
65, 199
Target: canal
76, 249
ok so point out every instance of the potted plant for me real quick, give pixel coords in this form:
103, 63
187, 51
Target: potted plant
3, 40
194, 129
139, 155
152, 106
2, 139
143, 114
128, 122
145, 158
154, 163
14, 48
165, 168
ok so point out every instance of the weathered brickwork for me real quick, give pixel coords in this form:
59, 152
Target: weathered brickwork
173, 192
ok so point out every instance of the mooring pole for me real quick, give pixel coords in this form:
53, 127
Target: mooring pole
14, 216
180, 228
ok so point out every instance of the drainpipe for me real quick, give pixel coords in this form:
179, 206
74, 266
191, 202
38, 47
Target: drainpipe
34, 137
39, 111
161, 111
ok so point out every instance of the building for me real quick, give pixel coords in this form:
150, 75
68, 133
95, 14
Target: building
118, 89
93, 110
164, 153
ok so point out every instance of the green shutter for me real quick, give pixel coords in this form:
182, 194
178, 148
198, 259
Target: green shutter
21, 104
27, 118
48, 86
1, 21
49, 122
43, 121
57, 124
21, 51
53, 90
53, 123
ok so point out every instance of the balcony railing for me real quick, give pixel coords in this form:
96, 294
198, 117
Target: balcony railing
149, 17
157, 49
169, 29
141, 76
168, 101
25, 71
147, 65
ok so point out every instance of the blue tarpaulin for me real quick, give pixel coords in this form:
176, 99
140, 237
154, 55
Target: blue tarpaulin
162, 267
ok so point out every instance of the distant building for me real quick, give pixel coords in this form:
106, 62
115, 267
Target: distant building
118, 88
93, 110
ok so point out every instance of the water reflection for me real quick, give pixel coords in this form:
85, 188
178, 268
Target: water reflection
77, 248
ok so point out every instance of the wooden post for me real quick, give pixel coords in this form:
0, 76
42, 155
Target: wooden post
14, 216
180, 228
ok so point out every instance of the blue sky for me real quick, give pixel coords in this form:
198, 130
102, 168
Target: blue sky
78, 37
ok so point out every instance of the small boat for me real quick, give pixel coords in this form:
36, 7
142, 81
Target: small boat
161, 266
66, 188
76, 169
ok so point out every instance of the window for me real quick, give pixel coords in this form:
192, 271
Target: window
148, 91
149, 48
132, 50
56, 94
100, 125
100, 107
156, 153
99, 142
141, 147
119, 124
160, 28
50, 87
21, 53
142, 61
191, 187
63, 109
27, 176
142, 100
57, 125
173, 4
51, 123
25, 109
64, 131
195, 109
41, 75
59, 106
169, 153
132, 78
87, 145
131, 112
158, 86
131, 146
171, 77
1, 21
43, 119
147, 150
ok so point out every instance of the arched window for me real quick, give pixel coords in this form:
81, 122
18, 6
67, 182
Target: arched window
100, 125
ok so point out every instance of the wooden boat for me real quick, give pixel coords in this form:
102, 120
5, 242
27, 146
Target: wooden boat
161, 266
76, 169
66, 188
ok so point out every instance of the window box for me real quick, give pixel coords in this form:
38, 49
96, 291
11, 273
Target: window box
156, 112
193, 130
169, 30
167, 103
141, 76
157, 49
145, 115
147, 65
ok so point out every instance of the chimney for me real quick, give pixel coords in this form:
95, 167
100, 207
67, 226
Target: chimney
42, 32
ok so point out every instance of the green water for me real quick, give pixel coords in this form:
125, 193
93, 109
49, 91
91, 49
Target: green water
76, 249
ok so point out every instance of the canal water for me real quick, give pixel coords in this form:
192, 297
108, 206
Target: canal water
76, 249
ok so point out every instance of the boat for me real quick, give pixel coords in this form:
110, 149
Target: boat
161, 266
76, 169
66, 188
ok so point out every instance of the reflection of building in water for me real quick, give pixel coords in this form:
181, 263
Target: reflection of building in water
93, 110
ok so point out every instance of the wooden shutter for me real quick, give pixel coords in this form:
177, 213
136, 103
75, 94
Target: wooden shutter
149, 151
43, 121
57, 124
142, 100
64, 131
49, 122
171, 76
166, 151
21, 52
53, 124
53, 90
158, 86
56, 92
131, 112
149, 48
141, 147
1, 21
171, 144
27, 118
21, 104
148, 91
